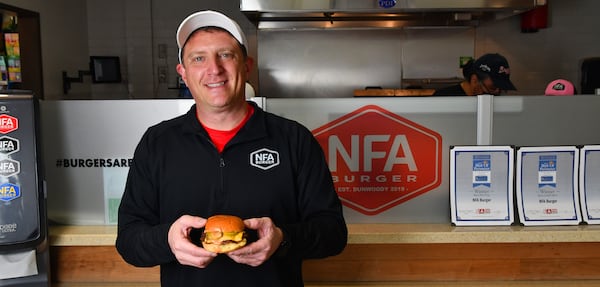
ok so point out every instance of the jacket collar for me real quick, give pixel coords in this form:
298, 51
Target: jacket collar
255, 127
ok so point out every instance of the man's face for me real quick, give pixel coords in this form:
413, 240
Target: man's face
487, 86
214, 69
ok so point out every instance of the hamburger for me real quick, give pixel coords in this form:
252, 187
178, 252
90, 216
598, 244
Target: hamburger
223, 233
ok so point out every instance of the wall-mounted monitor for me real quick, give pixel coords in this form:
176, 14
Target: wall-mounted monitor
105, 69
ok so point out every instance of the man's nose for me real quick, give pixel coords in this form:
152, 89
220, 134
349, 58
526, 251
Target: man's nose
213, 65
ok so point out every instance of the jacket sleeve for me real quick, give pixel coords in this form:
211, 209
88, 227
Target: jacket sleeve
322, 231
142, 240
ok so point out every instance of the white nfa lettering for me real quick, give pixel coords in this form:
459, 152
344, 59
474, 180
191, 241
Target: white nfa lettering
264, 158
8, 166
352, 158
7, 145
6, 122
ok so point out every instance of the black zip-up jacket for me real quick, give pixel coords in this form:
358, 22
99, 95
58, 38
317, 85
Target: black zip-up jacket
273, 167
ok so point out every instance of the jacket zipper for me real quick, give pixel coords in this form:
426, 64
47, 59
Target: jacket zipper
220, 194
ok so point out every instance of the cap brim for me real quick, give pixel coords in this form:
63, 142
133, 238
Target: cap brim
504, 84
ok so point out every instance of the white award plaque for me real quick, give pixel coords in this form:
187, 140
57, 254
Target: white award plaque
589, 183
547, 184
481, 185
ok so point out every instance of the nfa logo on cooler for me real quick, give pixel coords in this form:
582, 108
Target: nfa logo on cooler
9, 167
264, 158
9, 191
8, 124
379, 159
8, 145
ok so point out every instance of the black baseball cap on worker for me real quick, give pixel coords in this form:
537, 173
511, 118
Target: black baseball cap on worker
495, 66
208, 18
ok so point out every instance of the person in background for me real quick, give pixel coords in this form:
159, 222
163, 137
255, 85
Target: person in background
468, 87
560, 87
493, 73
227, 156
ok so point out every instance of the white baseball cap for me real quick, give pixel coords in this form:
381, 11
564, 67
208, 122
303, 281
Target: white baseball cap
205, 19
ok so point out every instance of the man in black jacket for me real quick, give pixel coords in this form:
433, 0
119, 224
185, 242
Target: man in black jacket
227, 156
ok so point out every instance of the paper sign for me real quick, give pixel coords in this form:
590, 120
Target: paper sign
481, 185
589, 183
547, 185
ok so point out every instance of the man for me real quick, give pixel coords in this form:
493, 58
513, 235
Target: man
227, 156
493, 73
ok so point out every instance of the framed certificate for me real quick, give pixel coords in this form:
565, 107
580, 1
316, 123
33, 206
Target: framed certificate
481, 185
547, 185
589, 183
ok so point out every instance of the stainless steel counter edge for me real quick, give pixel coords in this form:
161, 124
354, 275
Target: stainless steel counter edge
105, 235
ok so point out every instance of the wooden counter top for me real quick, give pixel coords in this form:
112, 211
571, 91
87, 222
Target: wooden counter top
393, 92
101, 235
378, 255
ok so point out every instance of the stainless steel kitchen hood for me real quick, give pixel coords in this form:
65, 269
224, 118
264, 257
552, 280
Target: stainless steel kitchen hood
297, 14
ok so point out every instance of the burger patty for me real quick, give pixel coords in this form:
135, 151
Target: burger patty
214, 237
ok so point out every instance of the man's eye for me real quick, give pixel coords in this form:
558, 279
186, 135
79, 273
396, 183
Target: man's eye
226, 55
198, 59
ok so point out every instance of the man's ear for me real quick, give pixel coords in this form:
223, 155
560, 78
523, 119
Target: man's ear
474, 80
181, 71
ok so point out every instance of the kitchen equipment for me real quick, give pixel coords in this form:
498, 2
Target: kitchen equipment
590, 75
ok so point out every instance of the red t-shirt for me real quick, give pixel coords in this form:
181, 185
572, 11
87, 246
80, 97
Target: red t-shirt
221, 138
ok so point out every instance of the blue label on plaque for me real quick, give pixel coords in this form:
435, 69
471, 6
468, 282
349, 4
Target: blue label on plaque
482, 167
547, 171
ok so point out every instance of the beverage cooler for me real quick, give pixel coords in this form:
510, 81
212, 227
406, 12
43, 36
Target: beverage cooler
10, 55
24, 259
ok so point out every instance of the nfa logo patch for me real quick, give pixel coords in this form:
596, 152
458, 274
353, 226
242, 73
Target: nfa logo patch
9, 191
264, 158
379, 159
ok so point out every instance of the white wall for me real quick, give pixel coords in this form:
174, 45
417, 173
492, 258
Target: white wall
64, 39
72, 30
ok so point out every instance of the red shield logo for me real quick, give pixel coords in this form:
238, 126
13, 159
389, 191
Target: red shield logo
8, 124
379, 159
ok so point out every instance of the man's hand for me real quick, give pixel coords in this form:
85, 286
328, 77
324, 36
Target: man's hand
185, 251
256, 253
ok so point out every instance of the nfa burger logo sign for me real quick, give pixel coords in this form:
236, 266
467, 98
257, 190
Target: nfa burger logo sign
379, 159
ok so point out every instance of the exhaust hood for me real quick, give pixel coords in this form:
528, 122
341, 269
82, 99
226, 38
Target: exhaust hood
320, 14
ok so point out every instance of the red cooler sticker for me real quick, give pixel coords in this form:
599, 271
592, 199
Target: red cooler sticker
379, 159
8, 124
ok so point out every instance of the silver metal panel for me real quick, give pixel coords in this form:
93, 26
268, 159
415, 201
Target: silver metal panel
454, 118
485, 119
276, 14
546, 120
111, 129
373, 5
77, 135
333, 63
86, 148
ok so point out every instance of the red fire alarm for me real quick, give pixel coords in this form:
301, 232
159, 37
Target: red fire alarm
535, 19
